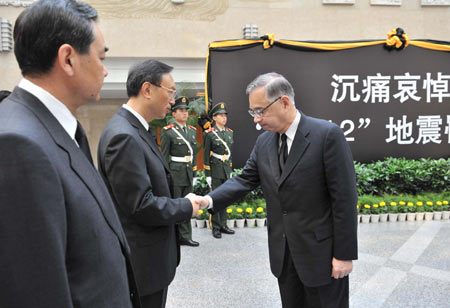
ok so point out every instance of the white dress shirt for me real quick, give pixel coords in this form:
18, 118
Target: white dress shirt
137, 115
56, 107
290, 133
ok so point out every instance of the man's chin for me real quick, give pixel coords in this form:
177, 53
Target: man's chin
94, 99
160, 117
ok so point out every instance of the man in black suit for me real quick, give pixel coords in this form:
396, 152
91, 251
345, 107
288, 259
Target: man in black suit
138, 178
305, 169
62, 242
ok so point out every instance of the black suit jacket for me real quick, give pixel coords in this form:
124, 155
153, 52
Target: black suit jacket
62, 242
139, 180
311, 205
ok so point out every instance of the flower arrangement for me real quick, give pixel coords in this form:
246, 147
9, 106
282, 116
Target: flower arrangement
410, 207
429, 206
383, 207
375, 209
231, 213
202, 215
402, 207
445, 205
419, 206
260, 213
393, 208
239, 213
249, 213
366, 209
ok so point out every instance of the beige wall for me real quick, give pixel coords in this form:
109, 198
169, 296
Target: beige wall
161, 29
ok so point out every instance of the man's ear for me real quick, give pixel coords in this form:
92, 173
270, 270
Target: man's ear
285, 101
146, 89
66, 58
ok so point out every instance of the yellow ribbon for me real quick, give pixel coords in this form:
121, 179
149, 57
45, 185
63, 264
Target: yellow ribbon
406, 37
393, 39
269, 41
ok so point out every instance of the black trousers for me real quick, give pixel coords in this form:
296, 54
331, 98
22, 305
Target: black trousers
294, 294
155, 300
185, 228
219, 219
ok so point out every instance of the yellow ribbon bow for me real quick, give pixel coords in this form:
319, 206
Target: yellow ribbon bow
268, 40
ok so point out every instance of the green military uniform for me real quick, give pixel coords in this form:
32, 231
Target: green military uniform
217, 160
179, 147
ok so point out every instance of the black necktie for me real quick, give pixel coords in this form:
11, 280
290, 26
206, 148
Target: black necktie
283, 152
80, 137
152, 133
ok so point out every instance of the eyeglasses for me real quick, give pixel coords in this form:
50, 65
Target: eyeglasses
172, 92
259, 112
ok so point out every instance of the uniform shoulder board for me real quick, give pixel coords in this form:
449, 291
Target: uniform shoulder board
192, 127
169, 126
210, 130
229, 129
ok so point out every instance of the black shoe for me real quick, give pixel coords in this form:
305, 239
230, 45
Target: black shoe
216, 233
189, 243
226, 230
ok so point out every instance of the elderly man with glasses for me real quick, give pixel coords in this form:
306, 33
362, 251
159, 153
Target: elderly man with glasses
305, 169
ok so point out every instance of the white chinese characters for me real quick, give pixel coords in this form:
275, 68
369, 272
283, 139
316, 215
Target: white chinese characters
380, 88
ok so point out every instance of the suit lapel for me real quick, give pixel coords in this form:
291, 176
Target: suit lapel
145, 135
78, 161
298, 148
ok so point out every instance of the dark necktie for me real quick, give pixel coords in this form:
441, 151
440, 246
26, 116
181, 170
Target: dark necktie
152, 133
80, 137
283, 152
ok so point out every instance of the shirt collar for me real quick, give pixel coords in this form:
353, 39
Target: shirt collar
56, 107
290, 133
219, 129
137, 115
181, 126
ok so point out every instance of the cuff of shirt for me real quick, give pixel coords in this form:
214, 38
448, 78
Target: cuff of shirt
210, 202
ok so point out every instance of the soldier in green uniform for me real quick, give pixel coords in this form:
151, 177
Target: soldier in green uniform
218, 142
179, 147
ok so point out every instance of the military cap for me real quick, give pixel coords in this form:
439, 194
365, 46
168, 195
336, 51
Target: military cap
181, 103
217, 109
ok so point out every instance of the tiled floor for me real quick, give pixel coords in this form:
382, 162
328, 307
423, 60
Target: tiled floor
403, 264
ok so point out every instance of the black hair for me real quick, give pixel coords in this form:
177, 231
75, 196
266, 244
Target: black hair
41, 29
4, 94
146, 71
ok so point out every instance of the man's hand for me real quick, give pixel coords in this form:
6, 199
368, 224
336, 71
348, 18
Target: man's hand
341, 268
209, 181
198, 203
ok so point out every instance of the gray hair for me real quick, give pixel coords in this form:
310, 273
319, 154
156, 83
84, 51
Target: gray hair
275, 84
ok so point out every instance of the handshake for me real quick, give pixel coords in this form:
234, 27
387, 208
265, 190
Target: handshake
198, 203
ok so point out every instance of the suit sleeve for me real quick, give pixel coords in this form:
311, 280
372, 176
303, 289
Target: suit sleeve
165, 145
126, 170
238, 186
32, 228
341, 183
206, 154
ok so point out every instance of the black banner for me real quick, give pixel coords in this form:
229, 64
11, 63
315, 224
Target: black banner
388, 103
